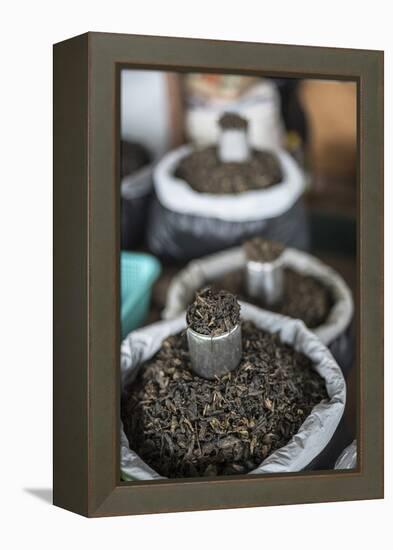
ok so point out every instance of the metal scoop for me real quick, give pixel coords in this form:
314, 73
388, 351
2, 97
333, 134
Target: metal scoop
213, 356
265, 280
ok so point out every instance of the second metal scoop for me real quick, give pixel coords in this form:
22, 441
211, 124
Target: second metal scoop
265, 280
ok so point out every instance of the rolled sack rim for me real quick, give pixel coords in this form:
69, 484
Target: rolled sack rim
313, 435
177, 195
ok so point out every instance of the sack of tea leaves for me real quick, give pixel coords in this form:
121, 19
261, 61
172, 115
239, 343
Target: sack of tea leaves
136, 191
306, 274
168, 432
188, 221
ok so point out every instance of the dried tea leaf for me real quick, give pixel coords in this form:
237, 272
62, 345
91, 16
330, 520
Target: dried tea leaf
213, 312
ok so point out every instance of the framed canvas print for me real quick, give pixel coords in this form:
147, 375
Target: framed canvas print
218, 274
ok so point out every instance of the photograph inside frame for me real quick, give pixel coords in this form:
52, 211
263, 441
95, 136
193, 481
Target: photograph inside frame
238, 275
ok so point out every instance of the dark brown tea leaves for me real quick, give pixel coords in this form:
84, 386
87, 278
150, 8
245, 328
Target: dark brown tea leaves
186, 426
232, 121
213, 312
206, 173
263, 250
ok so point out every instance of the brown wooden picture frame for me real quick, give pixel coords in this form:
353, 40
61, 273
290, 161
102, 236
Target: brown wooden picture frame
86, 274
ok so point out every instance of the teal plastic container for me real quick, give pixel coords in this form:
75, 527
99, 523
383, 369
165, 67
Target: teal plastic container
138, 273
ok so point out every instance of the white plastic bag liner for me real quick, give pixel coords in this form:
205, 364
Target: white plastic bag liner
176, 195
205, 270
348, 458
260, 105
315, 432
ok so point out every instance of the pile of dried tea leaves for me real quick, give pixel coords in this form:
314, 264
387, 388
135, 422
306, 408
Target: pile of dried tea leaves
304, 297
213, 312
185, 426
206, 173
232, 121
262, 250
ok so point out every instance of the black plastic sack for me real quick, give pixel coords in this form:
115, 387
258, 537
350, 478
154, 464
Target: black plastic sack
133, 157
183, 237
343, 349
136, 195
